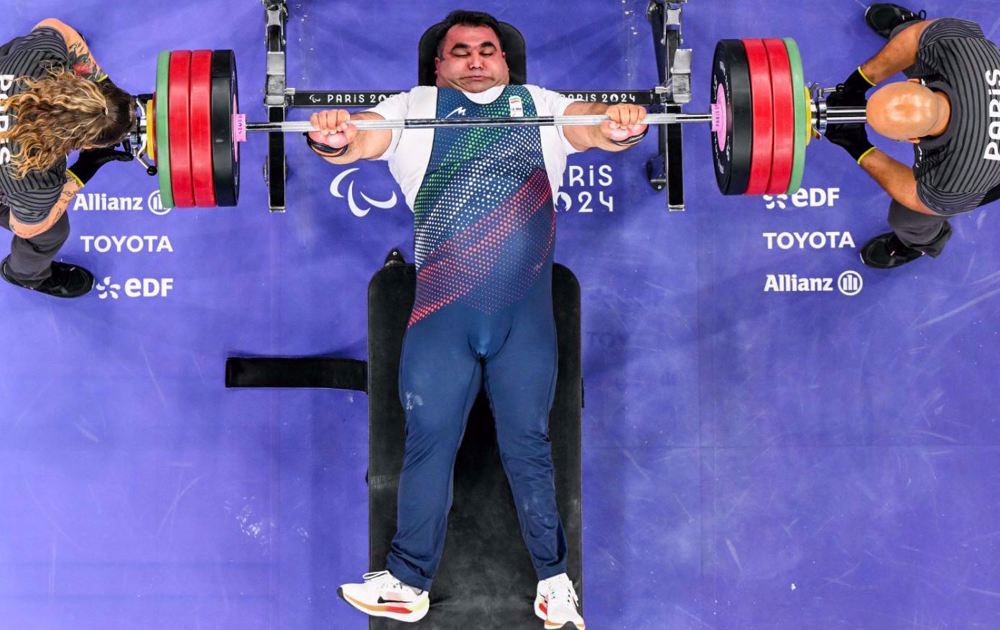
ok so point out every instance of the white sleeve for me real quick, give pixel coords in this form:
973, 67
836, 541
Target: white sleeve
393, 108
549, 103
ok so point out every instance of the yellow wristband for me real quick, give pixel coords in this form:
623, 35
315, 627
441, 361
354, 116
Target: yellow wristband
79, 182
865, 154
865, 76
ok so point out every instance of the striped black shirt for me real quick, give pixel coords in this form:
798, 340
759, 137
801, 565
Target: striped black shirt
957, 169
31, 198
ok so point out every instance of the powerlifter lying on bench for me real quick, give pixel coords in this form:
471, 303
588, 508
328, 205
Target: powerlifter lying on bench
484, 233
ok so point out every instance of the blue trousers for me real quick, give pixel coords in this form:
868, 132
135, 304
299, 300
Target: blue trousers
446, 358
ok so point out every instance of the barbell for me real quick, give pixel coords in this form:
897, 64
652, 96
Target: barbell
762, 115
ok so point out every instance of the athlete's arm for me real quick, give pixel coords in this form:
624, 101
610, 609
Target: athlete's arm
625, 123
336, 132
897, 180
81, 61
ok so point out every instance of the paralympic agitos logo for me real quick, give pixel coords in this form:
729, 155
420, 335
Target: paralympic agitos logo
353, 196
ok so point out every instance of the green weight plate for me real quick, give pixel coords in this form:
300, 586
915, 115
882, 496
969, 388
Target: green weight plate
162, 129
803, 124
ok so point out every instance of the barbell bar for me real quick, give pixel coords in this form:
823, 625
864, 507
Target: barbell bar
304, 126
840, 115
762, 116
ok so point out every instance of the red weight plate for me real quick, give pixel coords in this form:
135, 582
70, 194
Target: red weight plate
783, 99
202, 178
763, 117
179, 110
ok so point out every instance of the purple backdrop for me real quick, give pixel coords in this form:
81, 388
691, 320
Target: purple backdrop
752, 459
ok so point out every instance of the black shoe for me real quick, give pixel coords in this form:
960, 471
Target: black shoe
883, 18
66, 281
886, 251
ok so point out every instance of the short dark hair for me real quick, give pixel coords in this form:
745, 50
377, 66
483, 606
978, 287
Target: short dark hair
468, 18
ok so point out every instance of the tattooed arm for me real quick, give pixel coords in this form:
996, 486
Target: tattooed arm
31, 230
81, 61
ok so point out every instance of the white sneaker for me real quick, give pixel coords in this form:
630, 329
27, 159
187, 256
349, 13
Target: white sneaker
556, 604
382, 595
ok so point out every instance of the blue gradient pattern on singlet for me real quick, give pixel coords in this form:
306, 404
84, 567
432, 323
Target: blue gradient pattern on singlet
484, 219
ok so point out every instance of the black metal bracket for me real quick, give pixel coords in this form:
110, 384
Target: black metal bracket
673, 65
276, 102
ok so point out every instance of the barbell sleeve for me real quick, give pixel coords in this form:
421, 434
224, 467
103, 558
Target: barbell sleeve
823, 116
845, 115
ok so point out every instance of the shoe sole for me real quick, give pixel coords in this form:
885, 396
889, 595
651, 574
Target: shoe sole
412, 617
569, 625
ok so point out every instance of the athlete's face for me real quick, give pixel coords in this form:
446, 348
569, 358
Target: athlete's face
470, 59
